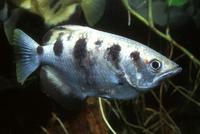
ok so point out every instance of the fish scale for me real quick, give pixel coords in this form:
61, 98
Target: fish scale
80, 62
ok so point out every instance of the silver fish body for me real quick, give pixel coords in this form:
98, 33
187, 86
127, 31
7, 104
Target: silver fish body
80, 62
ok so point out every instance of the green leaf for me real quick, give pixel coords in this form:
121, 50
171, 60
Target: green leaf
55, 14
52, 11
176, 2
93, 10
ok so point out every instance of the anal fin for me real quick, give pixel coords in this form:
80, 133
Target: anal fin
54, 85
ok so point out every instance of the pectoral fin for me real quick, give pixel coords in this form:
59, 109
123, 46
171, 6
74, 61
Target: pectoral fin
54, 85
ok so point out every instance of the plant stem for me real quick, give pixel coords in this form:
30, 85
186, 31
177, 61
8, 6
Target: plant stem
150, 15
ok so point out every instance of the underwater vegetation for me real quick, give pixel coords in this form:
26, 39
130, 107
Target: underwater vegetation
171, 27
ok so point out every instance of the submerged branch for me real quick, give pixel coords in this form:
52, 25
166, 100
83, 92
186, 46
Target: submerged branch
175, 127
181, 91
44, 130
161, 34
60, 122
145, 130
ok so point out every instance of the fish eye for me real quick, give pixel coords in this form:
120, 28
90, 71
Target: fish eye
155, 65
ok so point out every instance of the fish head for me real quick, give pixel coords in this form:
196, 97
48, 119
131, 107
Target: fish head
145, 68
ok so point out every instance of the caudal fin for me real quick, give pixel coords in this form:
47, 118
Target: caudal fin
27, 60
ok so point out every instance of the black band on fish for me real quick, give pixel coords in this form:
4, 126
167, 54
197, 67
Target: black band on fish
87, 66
121, 78
84, 63
58, 45
139, 63
113, 54
135, 55
80, 50
98, 42
40, 50
47, 36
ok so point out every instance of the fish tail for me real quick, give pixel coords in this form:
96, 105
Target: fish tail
27, 60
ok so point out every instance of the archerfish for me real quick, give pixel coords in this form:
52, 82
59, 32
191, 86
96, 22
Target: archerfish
79, 62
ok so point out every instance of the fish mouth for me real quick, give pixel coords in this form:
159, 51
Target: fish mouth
157, 79
168, 74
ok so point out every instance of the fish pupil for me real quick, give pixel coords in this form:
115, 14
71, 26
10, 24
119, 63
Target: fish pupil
155, 64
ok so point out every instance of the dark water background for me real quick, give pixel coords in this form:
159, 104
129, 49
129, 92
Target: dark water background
24, 109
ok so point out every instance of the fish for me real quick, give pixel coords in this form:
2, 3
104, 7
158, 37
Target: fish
77, 62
